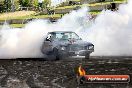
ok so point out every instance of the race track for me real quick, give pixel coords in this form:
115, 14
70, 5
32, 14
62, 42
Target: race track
60, 74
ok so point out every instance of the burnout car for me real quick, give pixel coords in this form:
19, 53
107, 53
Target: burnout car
65, 44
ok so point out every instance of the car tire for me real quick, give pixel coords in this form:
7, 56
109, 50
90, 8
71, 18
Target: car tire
56, 54
87, 56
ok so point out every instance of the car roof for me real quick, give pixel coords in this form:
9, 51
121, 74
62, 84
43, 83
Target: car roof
60, 31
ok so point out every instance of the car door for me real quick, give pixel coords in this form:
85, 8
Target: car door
47, 45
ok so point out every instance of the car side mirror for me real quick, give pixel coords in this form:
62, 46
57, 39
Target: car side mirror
48, 39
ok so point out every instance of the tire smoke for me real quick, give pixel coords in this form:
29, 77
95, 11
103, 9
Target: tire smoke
110, 32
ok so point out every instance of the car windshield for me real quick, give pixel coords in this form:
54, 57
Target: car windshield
66, 36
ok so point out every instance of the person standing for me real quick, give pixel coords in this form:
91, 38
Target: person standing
40, 2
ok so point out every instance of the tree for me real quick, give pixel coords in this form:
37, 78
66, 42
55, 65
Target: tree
7, 4
25, 3
35, 3
46, 3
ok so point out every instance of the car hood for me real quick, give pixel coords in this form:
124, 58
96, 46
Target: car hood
67, 42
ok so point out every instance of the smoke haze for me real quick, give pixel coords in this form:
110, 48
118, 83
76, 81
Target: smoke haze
110, 32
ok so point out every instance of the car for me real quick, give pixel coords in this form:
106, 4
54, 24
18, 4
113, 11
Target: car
65, 44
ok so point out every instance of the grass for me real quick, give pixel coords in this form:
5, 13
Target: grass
14, 25
22, 16
43, 16
17, 25
47, 16
95, 12
16, 15
25, 15
94, 4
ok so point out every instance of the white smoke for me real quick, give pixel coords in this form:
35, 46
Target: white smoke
110, 33
23, 42
27, 41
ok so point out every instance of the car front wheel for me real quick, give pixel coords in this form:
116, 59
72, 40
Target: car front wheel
87, 56
56, 54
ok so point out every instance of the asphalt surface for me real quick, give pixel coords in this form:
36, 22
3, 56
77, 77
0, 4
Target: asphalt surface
31, 73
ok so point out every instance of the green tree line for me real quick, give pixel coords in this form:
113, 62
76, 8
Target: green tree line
8, 5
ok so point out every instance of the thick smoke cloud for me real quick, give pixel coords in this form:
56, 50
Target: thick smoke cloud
110, 32
26, 42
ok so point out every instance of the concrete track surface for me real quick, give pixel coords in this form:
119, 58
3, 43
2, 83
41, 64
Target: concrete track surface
33, 73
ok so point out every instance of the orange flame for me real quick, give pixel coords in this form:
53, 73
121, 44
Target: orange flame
81, 71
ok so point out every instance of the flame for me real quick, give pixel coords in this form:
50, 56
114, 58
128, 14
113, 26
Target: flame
81, 71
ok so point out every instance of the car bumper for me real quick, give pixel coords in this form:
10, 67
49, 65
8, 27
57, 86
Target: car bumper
75, 54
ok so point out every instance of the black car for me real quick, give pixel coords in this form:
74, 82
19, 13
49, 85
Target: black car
65, 44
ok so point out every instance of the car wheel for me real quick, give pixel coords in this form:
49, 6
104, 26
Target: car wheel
87, 56
56, 54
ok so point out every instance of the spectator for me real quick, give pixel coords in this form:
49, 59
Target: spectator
40, 3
